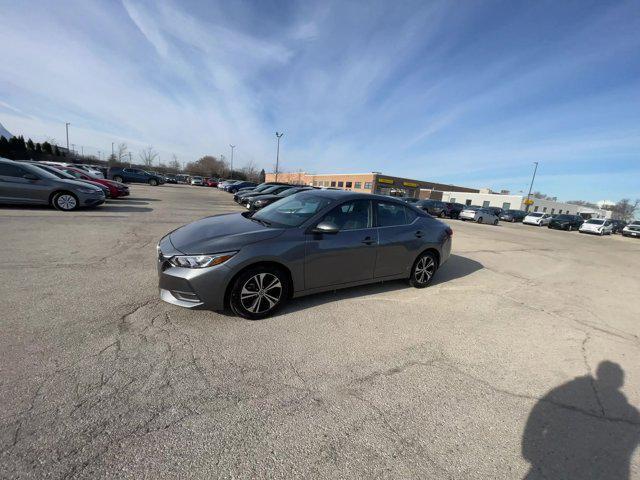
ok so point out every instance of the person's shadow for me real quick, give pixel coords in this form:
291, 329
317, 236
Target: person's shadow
583, 429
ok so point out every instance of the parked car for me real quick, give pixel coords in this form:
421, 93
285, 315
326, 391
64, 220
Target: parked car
116, 189
566, 222
497, 211
262, 201
433, 207
60, 174
452, 209
309, 242
632, 229
410, 199
513, 215
468, 212
272, 190
170, 178
599, 226
212, 182
539, 219
222, 185
134, 175
25, 184
88, 168
618, 225
197, 180
257, 189
479, 215
237, 186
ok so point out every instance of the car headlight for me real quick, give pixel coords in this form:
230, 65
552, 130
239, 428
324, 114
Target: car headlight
89, 190
260, 202
200, 261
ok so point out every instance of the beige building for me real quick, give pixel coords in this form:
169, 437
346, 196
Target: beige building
373, 182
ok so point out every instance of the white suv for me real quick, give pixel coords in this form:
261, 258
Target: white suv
537, 218
599, 226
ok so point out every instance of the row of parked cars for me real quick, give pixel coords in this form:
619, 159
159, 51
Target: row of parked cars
63, 186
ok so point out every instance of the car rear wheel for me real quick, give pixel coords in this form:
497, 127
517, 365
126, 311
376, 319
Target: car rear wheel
479, 219
65, 201
153, 182
423, 270
117, 178
259, 292
495, 222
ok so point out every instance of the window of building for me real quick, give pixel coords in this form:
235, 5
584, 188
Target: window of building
354, 215
390, 214
367, 185
452, 200
357, 185
348, 184
467, 202
553, 210
486, 203
333, 184
506, 205
535, 209
560, 211
315, 184
340, 184
544, 209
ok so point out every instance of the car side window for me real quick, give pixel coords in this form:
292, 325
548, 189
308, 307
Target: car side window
354, 215
390, 214
410, 214
10, 170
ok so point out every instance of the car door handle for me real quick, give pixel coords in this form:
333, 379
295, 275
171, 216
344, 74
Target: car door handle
368, 241
419, 234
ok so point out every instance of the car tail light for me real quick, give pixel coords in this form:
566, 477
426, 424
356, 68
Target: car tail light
449, 231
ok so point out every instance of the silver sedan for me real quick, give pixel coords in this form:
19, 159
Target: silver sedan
479, 215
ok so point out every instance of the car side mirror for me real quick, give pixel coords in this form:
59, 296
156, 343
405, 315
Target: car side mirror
326, 227
30, 176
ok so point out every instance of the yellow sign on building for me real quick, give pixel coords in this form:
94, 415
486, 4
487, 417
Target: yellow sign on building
410, 184
385, 180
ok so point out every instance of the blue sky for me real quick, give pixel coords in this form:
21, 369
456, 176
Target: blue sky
470, 93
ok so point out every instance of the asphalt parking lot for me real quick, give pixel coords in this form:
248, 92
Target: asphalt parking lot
102, 379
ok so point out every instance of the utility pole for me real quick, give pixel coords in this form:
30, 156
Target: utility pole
82, 150
99, 155
66, 125
130, 160
232, 148
73, 148
112, 152
531, 186
278, 136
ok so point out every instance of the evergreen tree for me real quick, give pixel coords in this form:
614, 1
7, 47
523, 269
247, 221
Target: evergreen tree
46, 148
56, 151
30, 145
38, 147
262, 176
4, 147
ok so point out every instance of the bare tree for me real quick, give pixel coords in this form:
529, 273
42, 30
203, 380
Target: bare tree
174, 164
250, 171
624, 209
147, 156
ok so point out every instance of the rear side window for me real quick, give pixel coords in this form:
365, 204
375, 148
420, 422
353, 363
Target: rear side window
7, 170
391, 214
354, 215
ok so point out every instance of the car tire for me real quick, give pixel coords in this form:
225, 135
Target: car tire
570, 228
495, 222
479, 220
118, 178
65, 201
266, 285
153, 182
424, 268
442, 215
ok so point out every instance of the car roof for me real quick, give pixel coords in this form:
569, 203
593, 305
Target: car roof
349, 195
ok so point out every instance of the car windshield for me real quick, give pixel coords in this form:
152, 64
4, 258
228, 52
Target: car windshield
594, 221
289, 191
564, 217
292, 211
56, 172
536, 214
271, 189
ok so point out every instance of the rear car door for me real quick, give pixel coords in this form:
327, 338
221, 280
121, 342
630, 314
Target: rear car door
343, 257
398, 238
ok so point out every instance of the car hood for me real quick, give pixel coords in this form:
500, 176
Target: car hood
220, 233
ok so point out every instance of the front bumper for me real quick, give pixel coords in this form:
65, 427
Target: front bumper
190, 287
631, 233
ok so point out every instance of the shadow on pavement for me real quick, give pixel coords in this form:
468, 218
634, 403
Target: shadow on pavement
455, 267
583, 429
110, 207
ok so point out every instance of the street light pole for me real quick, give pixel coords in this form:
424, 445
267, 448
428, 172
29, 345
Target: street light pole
112, 152
531, 186
66, 125
278, 136
232, 147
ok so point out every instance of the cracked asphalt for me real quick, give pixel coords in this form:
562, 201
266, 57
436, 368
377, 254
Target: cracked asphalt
495, 371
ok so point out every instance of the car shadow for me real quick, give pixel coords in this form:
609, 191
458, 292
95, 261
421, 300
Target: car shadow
122, 201
456, 267
109, 207
143, 199
585, 428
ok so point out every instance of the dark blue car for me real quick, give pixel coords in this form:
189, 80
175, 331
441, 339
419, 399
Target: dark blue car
237, 186
134, 175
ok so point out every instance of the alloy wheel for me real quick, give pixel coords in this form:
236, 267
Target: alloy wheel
261, 293
66, 202
424, 269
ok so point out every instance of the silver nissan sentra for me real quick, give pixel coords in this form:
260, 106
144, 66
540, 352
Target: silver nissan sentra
306, 243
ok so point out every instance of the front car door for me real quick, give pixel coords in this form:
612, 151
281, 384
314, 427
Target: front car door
398, 236
343, 257
14, 188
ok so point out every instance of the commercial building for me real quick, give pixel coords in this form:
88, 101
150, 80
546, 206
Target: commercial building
518, 202
373, 182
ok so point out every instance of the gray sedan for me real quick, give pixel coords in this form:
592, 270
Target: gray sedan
309, 242
25, 184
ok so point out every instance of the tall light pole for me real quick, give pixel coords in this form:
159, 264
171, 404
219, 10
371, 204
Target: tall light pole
73, 148
232, 148
66, 126
531, 186
82, 150
278, 136
112, 151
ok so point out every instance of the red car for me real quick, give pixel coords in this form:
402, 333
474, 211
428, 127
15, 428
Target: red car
211, 183
116, 189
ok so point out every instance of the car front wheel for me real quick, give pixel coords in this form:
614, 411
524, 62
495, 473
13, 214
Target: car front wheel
480, 220
65, 201
117, 179
153, 182
423, 270
259, 292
